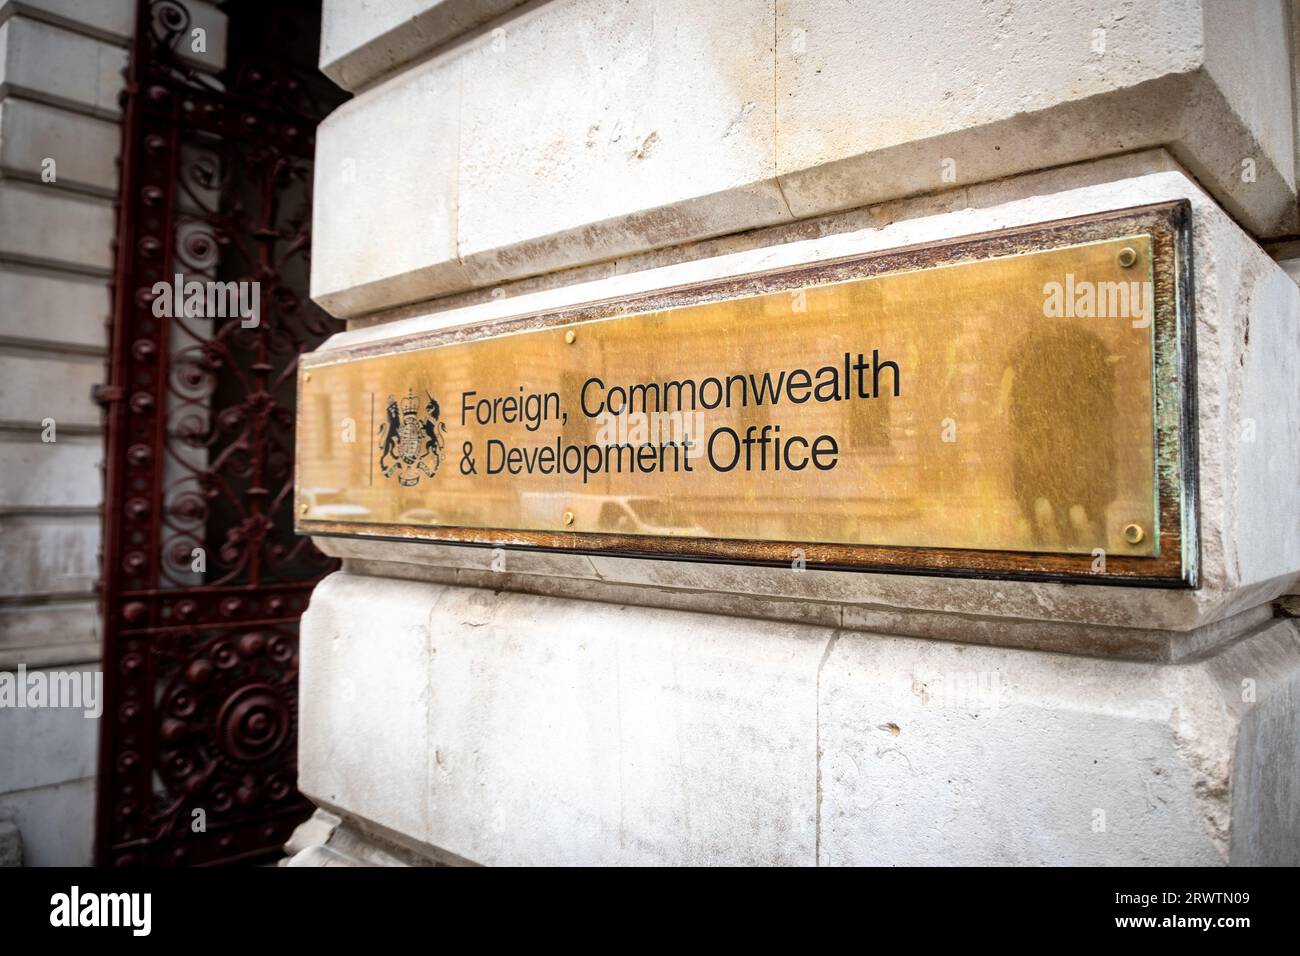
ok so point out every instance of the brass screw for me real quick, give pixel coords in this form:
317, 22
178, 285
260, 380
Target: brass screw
570, 336
302, 509
1127, 256
568, 518
1133, 533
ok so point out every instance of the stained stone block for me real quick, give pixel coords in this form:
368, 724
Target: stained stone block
574, 116
56, 822
538, 730
49, 634
50, 554
11, 844
576, 119
991, 92
48, 745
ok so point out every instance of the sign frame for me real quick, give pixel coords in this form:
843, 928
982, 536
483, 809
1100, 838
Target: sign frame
1174, 418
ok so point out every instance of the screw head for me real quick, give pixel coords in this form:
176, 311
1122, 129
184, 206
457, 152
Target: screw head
1134, 534
1127, 256
302, 509
567, 518
306, 376
570, 336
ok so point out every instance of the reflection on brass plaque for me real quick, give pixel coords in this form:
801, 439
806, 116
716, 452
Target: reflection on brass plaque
1007, 404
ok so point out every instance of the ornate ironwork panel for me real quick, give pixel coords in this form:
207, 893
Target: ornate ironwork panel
203, 580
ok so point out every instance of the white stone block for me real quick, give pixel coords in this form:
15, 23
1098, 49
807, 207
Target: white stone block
62, 474
605, 128
1247, 47
39, 223
48, 307
938, 754
869, 108
83, 149
60, 66
612, 736
384, 210
510, 729
572, 121
362, 40
39, 386
363, 704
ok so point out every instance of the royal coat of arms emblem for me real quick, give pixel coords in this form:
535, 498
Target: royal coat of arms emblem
411, 444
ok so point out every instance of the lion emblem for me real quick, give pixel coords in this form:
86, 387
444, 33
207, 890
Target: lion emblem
411, 444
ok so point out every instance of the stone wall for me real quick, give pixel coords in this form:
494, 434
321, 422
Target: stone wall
464, 705
62, 70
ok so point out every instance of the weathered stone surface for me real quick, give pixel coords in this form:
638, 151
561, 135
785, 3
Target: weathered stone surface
50, 554
576, 119
995, 91
49, 634
11, 844
541, 730
313, 831
379, 159
61, 72
615, 736
57, 822
361, 40
570, 708
329, 840
574, 116
47, 768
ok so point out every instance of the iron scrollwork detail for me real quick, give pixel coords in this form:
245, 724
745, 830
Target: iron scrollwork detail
204, 580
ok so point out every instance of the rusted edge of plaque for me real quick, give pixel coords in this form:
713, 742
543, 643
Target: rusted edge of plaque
1174, 390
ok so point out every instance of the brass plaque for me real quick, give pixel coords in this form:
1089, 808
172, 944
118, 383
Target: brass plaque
997, 405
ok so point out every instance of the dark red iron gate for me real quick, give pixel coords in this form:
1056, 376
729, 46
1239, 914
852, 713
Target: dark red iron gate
203, 581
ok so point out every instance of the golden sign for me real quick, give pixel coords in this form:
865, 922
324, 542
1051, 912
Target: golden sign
994, 406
